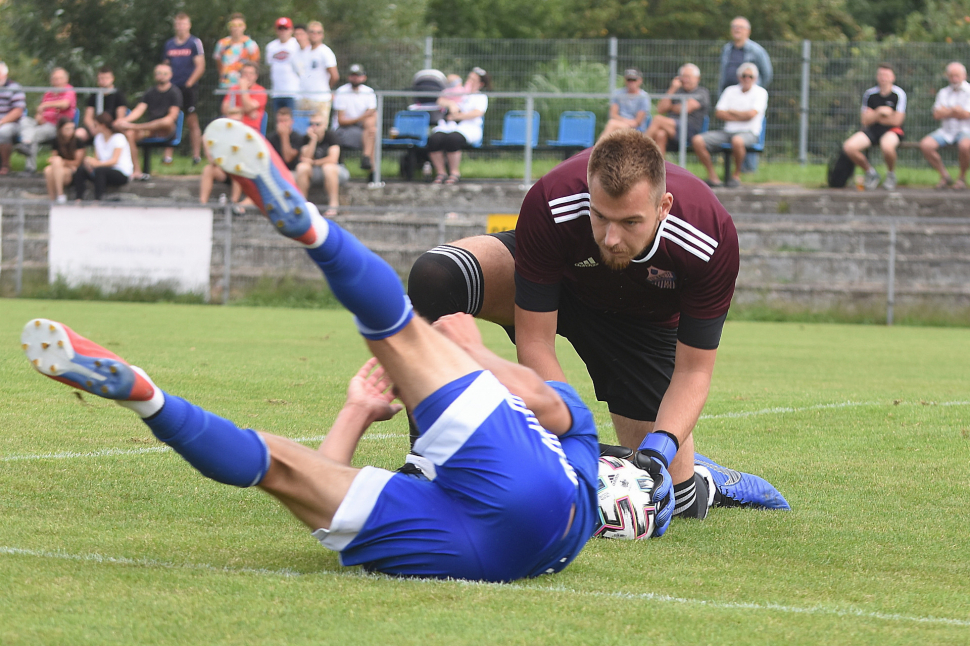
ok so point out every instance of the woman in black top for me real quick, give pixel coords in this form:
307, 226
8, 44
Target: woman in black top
65, 159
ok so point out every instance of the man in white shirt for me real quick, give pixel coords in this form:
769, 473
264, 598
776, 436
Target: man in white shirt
284, 59
355, 122
742, 107
952, 109
320, 73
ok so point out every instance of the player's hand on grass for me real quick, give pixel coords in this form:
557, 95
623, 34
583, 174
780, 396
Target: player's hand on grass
654, 456
461, 329
372, 391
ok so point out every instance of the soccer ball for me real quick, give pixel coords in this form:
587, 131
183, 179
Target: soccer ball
625, 493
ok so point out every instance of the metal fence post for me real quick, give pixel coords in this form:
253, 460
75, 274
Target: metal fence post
99, 103
529, 108
428, 52
613, 55
378, 139
803, 126
19, 273
891, 278
682, 144
227, 253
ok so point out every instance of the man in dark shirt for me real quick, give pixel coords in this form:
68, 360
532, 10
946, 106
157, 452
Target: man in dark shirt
665, 127
883, 113
320, 163
286, 142
161, 106
184, 53
634, 261
115, 104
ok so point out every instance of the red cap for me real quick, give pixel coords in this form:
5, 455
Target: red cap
284, 22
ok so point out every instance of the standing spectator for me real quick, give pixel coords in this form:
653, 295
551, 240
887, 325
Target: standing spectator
320, 163
302, 39
629, 106
740, 50
61, 102
13, 106
184, 53
111, 164
285, 140
461, 126
161, 104
232, 50
320, 74
952, 108
284, 58
883, 113
355, 124
115, 104
742, 107
64, 161
665, 127
248, 95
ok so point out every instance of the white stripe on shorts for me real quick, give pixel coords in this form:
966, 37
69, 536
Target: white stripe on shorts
461, 419
354, 509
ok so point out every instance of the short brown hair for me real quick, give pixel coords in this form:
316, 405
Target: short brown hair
181, 16
236, 16
284, 112
885, 66
623, 159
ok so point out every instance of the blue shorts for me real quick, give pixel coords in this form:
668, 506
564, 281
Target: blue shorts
945, 139
498, 505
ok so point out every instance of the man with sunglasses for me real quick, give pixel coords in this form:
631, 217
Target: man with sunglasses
320, 163
233, 50
742, 108
284, 58
320, 74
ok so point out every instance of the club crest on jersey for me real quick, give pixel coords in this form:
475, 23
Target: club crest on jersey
662, 278
586, 264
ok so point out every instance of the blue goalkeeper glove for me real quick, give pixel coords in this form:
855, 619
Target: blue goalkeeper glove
654, 456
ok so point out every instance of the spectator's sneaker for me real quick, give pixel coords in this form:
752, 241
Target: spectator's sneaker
245, 155
736, 489
890, 182
872, 179
60, 353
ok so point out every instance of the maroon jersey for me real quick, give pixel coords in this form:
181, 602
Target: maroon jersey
690, 268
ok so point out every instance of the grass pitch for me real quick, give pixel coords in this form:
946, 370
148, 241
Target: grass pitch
107, 538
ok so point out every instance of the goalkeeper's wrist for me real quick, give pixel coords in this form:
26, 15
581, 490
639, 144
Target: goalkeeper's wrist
661, 445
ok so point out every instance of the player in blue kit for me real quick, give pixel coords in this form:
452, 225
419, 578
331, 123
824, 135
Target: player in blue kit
510, 460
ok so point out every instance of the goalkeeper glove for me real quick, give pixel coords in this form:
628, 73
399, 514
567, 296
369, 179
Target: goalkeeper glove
654, 456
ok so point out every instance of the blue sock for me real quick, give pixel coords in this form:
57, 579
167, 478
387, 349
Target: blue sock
364, 283
215, 446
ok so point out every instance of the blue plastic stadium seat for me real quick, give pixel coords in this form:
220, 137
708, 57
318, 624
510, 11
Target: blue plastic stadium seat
513, 129
412, 130
577, 129
262, 124
148, 143
301, 121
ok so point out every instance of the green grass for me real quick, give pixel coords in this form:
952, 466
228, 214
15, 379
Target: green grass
137, 547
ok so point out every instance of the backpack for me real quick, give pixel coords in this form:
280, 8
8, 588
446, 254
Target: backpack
841, 168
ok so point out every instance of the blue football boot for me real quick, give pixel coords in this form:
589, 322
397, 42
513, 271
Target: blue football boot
736, 489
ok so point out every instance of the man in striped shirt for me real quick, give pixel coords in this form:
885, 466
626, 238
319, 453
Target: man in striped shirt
13, 106
634, 261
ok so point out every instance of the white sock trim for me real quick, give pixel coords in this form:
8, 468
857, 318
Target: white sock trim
319, 224
149, 407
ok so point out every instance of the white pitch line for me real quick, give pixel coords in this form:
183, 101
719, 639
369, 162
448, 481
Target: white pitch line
789, 409
622, 596
69, 455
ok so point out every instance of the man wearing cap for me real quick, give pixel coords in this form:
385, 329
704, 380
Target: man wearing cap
630, 106
355, 122
320, 73
284, 60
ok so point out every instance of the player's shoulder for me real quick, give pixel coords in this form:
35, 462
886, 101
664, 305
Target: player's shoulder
565, 189
697, 217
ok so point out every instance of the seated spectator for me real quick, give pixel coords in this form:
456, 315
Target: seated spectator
161, 106
320, 163
630, 106
55, 104
212, 173
13, 106
742, 107
64, 161
249, 95
115, 104
111, 164
460, 126
952, 108
665, 127
883, 113
355, 124
285, 140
